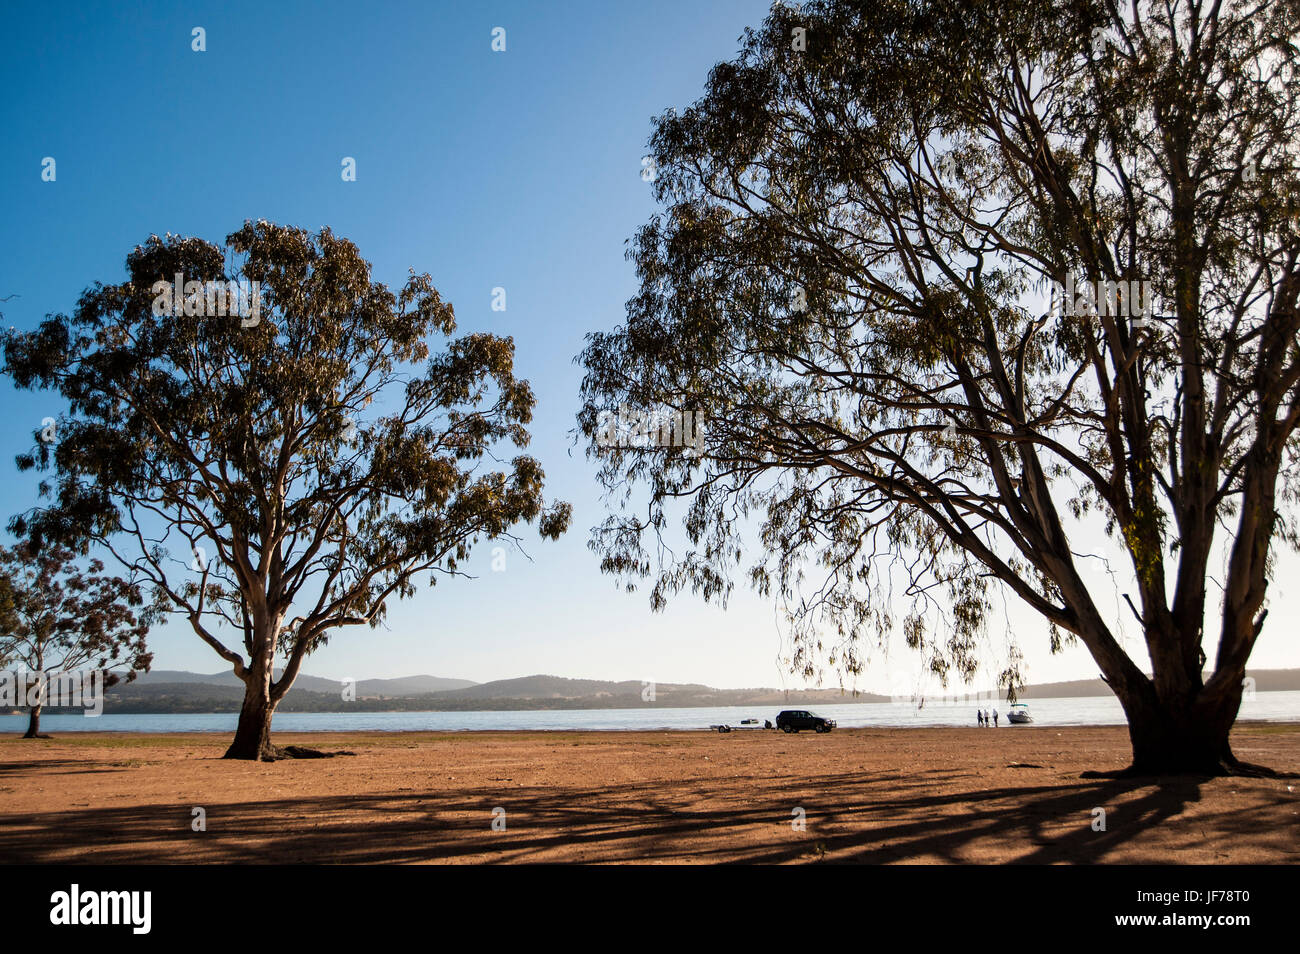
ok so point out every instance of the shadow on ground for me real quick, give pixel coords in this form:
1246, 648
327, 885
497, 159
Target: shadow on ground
859, 818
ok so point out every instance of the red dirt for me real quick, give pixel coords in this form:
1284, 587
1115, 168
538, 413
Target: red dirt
916, 795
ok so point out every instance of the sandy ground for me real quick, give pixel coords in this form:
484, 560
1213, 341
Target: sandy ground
876, 796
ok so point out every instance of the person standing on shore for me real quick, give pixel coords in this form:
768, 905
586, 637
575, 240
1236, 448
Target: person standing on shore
995, 718
979, 718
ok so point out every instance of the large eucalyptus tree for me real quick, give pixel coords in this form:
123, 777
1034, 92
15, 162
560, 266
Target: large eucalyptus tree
282, 457
865, 221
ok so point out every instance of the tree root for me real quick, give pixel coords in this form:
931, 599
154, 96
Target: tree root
1225, 768
302, 752
1251, 770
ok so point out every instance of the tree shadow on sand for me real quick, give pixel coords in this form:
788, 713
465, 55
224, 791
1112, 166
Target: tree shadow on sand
859, 817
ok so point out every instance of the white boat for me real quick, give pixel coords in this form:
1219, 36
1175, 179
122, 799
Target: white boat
1019, 714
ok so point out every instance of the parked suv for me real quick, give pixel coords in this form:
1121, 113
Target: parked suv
792, 720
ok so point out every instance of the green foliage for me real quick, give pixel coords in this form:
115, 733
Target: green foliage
926, 428
57, 617
288, 475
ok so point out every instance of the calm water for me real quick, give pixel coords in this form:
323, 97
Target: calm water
1095, 710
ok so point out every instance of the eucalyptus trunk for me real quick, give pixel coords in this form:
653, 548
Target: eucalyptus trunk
1183, 731
253, 734
33, 723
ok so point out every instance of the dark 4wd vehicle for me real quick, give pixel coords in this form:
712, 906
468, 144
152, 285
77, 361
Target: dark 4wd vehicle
792, 720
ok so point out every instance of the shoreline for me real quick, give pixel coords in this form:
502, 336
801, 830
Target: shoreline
55, 734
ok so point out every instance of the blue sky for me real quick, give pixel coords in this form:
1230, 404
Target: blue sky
517, 169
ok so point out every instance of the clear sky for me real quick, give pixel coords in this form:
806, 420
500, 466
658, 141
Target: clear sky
516, 169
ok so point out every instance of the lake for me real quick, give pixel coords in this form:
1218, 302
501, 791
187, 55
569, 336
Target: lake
1091, 710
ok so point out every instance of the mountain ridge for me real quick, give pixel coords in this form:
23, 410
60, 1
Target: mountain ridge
166, 691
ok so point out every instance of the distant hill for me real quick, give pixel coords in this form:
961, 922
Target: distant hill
165, 691
557, 687
401, 686
409, 685
171, 691
175, 676
1266, 680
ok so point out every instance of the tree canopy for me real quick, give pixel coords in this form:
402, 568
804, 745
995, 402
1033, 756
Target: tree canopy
283, 473
57, 617
864, 219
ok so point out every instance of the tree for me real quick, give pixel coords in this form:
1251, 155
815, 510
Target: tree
229, 420
56, 618
848, 282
